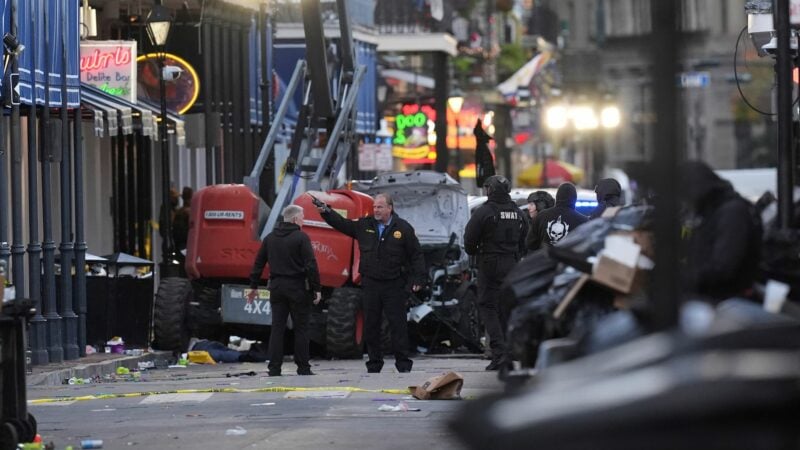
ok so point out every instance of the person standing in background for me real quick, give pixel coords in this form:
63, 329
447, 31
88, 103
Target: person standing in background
554, 224
496, 235
293, 280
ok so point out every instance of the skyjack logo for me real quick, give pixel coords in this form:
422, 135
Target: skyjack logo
324, 249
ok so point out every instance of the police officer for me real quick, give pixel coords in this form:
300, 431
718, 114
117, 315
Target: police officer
390, 259
293, 276
496, 234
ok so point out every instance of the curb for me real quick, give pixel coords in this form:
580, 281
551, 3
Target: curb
57, 377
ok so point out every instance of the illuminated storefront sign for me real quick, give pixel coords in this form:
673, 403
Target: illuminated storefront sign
414, 139
181, 92
414, 136
110, 66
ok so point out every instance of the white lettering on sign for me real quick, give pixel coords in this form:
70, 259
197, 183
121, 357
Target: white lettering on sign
258, 307
224, 215
508, 215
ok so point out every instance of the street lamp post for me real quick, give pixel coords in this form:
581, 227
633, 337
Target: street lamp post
455, 103
159, 22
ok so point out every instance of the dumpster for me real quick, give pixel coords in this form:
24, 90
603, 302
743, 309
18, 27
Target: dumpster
119, 300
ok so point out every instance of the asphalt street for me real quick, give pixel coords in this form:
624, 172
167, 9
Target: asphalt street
237, 406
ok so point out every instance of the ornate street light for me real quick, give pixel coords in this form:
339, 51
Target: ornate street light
159, 22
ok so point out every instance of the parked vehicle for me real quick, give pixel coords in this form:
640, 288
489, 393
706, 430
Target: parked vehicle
587, 199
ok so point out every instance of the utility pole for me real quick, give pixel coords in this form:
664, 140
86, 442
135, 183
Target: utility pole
783, 73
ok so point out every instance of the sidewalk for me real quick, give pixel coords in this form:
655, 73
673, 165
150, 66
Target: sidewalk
100, 364
89, 366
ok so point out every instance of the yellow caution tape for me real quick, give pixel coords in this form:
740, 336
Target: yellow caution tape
40, 401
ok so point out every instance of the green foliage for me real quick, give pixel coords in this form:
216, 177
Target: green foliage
469, 6
463, 66
512, 57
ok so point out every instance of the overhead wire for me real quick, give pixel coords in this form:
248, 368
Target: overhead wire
736, 76
738, 85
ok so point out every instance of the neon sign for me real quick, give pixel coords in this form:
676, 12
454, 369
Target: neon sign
109, 66
181, 93
414, 132
403, 122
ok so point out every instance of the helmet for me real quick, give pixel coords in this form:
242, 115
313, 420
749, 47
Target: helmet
497, 183
542, 200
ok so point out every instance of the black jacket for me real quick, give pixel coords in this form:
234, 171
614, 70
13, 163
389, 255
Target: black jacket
498, 226
394, 254
609, 193
723, 249
292, 265
554, 224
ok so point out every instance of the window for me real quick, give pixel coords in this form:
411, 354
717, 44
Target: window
627, 18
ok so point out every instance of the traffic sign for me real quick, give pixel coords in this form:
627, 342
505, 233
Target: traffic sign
694, 79
14, 85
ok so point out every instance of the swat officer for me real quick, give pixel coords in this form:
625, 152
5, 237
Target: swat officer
496, 234
390, 258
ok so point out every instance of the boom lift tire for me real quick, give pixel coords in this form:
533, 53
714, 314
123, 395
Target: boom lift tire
8, 437
204, 319
345, 328
169, 314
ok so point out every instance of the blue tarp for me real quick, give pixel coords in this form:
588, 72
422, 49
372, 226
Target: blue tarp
287, 53
47, 49
367, 101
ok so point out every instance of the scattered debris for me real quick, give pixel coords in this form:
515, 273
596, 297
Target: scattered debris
144, 365
241, 374
400, 407
446, 386
238, 431
115, 345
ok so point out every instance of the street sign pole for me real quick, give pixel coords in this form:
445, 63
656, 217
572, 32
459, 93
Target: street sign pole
783, 69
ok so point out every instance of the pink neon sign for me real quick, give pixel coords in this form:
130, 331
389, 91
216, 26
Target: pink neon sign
110, 66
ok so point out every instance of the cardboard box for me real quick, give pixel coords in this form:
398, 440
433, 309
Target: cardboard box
618, 265
617, 276
643, 239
